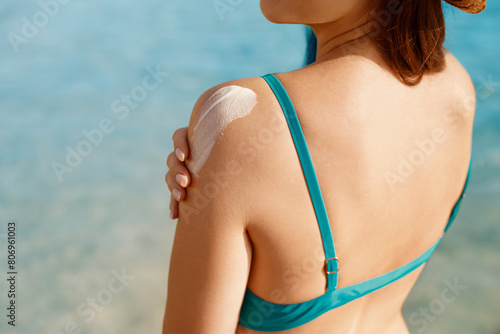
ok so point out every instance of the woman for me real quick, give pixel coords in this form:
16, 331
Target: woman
369, 146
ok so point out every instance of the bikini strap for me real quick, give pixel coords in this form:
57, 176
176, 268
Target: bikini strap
331, 261
454, 211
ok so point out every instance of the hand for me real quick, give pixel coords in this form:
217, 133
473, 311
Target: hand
178, 177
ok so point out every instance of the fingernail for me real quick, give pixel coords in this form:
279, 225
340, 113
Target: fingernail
179, 154
181, 179
177, 194
171, 214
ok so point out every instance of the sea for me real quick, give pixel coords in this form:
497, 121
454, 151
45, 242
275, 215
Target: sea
90, 95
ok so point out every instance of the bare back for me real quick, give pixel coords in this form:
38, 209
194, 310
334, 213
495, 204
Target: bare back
391, 161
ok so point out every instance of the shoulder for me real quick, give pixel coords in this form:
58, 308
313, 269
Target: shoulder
232, 132
255, 85
237, 104
457, 86
240, 99
461, 86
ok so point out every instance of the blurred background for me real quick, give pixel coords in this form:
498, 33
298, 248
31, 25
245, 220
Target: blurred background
90, 95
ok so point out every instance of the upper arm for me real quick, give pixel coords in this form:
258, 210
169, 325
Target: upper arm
208, 273
212, 251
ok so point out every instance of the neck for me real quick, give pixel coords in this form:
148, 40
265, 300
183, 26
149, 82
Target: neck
338, 34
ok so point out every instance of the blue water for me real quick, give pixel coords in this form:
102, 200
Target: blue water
110, 211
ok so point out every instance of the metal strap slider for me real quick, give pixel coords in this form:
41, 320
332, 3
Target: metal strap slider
326, 266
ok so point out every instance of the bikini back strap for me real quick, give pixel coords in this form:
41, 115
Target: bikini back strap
454, 211
331, 261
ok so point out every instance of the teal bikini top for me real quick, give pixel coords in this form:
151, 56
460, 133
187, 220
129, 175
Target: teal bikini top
261, 315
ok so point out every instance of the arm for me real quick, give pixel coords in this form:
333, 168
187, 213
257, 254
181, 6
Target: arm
211, 255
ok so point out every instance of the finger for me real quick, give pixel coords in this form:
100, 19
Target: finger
181, 146
182, 176
179, 171
172, 160
174, 207
170, 181
178, 193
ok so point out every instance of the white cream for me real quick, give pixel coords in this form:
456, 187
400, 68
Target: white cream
223, 107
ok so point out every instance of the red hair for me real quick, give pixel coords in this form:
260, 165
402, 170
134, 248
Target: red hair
410, 34
413, 37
